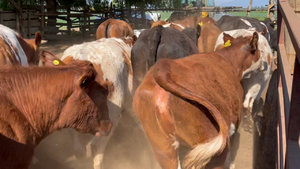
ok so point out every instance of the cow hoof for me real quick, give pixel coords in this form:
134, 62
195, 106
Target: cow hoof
248, 123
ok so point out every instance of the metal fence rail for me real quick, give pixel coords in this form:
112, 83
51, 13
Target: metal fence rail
288, 127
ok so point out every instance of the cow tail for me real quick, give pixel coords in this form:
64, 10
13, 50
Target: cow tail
107, 29
202, 153
154, 42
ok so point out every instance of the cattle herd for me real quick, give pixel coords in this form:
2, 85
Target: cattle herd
188, 83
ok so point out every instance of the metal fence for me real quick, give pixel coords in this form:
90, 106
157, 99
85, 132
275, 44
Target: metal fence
288, 127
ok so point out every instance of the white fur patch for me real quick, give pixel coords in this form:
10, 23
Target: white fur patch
246, 22
10, 38
175, 144
232, 129
169, 24
137, 32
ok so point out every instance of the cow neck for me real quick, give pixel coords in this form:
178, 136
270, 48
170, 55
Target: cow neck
235, 57
39, 104
26, 47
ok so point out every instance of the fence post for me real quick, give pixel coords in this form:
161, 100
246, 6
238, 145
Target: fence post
42, 17
28, 24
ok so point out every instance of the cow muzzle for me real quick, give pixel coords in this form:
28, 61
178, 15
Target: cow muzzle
105, 128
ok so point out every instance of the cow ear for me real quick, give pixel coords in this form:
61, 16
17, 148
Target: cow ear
87, 77
49, 59
132, 25
151, 22
254, 42
264, 32
227, 37
38, 38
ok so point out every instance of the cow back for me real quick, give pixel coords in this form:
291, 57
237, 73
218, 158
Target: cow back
156, 43
11, 50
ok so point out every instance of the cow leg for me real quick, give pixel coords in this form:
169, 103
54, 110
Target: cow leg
34, 160
99, 143
168, 158
98, 148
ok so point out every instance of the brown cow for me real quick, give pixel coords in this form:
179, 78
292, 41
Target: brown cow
205, 20
113, 28
209, 34
193, 102
14, 50
36, 101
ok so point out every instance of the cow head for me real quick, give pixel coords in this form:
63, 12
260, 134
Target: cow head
86, 109
31, 47
245, 49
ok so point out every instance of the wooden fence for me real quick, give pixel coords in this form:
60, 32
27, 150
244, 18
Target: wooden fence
36, 18
288, 128
31, 22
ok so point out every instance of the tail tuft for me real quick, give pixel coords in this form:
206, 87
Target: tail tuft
200, 156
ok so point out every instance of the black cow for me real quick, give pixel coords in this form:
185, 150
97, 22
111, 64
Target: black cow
159, 42
227, 23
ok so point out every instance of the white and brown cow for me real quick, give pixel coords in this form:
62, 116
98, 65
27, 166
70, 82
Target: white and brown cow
112, 59
253, 82
14, 50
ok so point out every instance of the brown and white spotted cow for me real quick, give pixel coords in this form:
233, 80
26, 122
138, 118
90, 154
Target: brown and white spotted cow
31, 108
253, 82
112, 59
14, 50
113, 28
195, 102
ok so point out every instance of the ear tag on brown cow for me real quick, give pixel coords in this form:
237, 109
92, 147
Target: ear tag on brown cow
201, 24
227, 44
56, 62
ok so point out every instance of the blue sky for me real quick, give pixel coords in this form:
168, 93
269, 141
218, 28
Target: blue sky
243, 3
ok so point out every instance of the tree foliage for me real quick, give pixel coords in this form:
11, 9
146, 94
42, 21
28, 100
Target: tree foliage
101, 4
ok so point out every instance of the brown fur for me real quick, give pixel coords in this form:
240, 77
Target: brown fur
188, 22
114, 28
208, 37
199, 95
37, 101
159, 22
205, 20
30, 47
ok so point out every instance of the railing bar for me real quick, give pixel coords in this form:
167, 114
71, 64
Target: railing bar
292, 23
286, 79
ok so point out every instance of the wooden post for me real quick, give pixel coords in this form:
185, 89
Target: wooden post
84, 22
28, 24
42, 17
69, 24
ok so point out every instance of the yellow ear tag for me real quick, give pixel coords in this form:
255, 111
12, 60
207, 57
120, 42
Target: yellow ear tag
56, 62
201, 24
227, 44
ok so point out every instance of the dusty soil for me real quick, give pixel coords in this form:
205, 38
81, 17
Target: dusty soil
127, 149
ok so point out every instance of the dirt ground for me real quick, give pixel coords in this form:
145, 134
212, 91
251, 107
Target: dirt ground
127, 149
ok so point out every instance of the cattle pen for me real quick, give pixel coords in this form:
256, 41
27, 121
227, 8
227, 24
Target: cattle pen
288, 129
79, 26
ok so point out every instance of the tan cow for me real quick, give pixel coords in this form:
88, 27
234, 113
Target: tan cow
36, 101
112, 59
14, 50
195, 102
209, 34
113, 28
